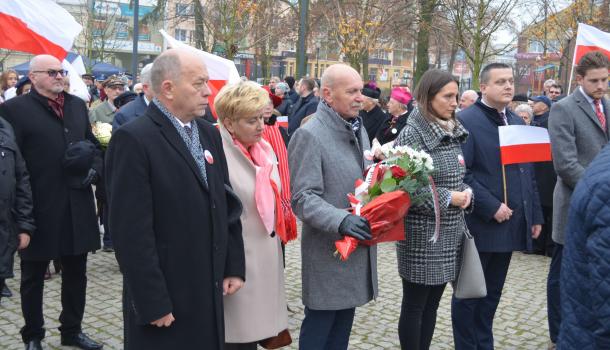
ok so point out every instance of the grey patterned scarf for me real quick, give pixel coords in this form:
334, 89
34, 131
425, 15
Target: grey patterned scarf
191, 141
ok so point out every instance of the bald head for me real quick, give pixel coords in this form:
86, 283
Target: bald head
468, 98
41, 74
41, 61
179, 80
342, 90
338, 72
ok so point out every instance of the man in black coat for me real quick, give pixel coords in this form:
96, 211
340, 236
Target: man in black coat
500, 224
545, 179
174, 219
372, 115
16, 218
63, 157
137, 107
306, 105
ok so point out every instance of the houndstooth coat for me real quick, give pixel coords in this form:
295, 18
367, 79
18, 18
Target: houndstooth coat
419, 260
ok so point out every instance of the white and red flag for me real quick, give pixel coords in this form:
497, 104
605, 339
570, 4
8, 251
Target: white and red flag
590, 39
37, 27
524, 144
282, 121
221, 70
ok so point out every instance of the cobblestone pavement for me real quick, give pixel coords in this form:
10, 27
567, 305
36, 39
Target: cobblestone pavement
520, 321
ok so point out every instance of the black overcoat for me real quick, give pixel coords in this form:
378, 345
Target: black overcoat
175, 236
15, 199
546, 178
65, 217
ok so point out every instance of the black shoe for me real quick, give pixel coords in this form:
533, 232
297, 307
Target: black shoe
108, 249
82, 341
6, 293
33, 345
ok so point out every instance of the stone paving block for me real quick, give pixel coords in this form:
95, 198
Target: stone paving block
520, 322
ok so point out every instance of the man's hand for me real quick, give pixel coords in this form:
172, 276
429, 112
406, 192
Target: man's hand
536, 229
355, 226
504, 213
24, 241
230, 285
461, 199
164, 321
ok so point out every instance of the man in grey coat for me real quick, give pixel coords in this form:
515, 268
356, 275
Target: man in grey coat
326, 158
578, 128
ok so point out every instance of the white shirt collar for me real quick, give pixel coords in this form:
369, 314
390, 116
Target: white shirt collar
146, 100
485, 103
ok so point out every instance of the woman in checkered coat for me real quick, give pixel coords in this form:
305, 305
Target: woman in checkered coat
424, 266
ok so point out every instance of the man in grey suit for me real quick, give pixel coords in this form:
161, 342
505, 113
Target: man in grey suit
578, 128
326, 158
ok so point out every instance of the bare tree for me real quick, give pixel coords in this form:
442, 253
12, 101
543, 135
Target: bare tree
360, 27
476, 23
101, 26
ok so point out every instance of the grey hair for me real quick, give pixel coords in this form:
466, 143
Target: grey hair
282, 86
145, 74
524, 108
165, 67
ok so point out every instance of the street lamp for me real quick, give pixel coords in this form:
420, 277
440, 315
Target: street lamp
317, 56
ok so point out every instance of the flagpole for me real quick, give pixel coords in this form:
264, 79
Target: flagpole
504, 185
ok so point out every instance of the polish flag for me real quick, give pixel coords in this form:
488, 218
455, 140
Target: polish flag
37, 27
282, 121
221, 70
590, 39
524, 144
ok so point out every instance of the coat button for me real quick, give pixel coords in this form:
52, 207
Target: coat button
522, 171
347, 127
66, 130
216, 284
352, 142
216, 247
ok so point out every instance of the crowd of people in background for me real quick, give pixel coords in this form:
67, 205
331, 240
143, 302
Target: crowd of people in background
198, 204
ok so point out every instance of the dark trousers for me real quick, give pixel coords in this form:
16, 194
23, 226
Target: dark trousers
326, 329
544, 244
472, 319
73, 292
241, 346
418, 315
552, 294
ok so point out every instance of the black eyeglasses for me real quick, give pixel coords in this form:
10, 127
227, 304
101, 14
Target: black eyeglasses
52, 72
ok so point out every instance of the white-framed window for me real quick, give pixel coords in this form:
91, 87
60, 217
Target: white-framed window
184, 10
180, 34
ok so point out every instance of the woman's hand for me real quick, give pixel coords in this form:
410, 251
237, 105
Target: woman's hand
461, 199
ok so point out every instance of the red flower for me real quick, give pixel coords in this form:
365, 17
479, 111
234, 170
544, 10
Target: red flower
397, 172
380, 173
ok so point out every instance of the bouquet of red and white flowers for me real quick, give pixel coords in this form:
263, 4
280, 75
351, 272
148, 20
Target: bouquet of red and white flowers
384, 197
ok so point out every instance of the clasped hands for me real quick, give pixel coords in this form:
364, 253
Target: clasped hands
461, 199
504, 213
230, 285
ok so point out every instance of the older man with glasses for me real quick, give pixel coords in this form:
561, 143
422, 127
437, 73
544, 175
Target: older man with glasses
63, 158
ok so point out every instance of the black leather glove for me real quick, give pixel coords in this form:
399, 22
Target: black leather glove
356, 226
90, 179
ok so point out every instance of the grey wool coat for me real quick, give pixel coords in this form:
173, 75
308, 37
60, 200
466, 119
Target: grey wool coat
420, 260
576, 138
326, 158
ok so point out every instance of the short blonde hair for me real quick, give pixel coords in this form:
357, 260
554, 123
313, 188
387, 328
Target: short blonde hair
239, 100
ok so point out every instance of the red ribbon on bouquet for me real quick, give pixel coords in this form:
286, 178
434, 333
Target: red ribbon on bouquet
385, 213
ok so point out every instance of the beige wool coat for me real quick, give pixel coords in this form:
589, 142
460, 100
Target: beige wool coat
258, 310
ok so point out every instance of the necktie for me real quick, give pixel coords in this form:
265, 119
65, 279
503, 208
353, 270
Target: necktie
599, 113
503, 116
189, 131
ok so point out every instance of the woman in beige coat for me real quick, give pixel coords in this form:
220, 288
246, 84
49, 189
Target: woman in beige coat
258, 311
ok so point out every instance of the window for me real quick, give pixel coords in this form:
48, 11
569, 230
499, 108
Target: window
121, 28
184, 10
373, 74
99, 26
180, 34
537, 46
